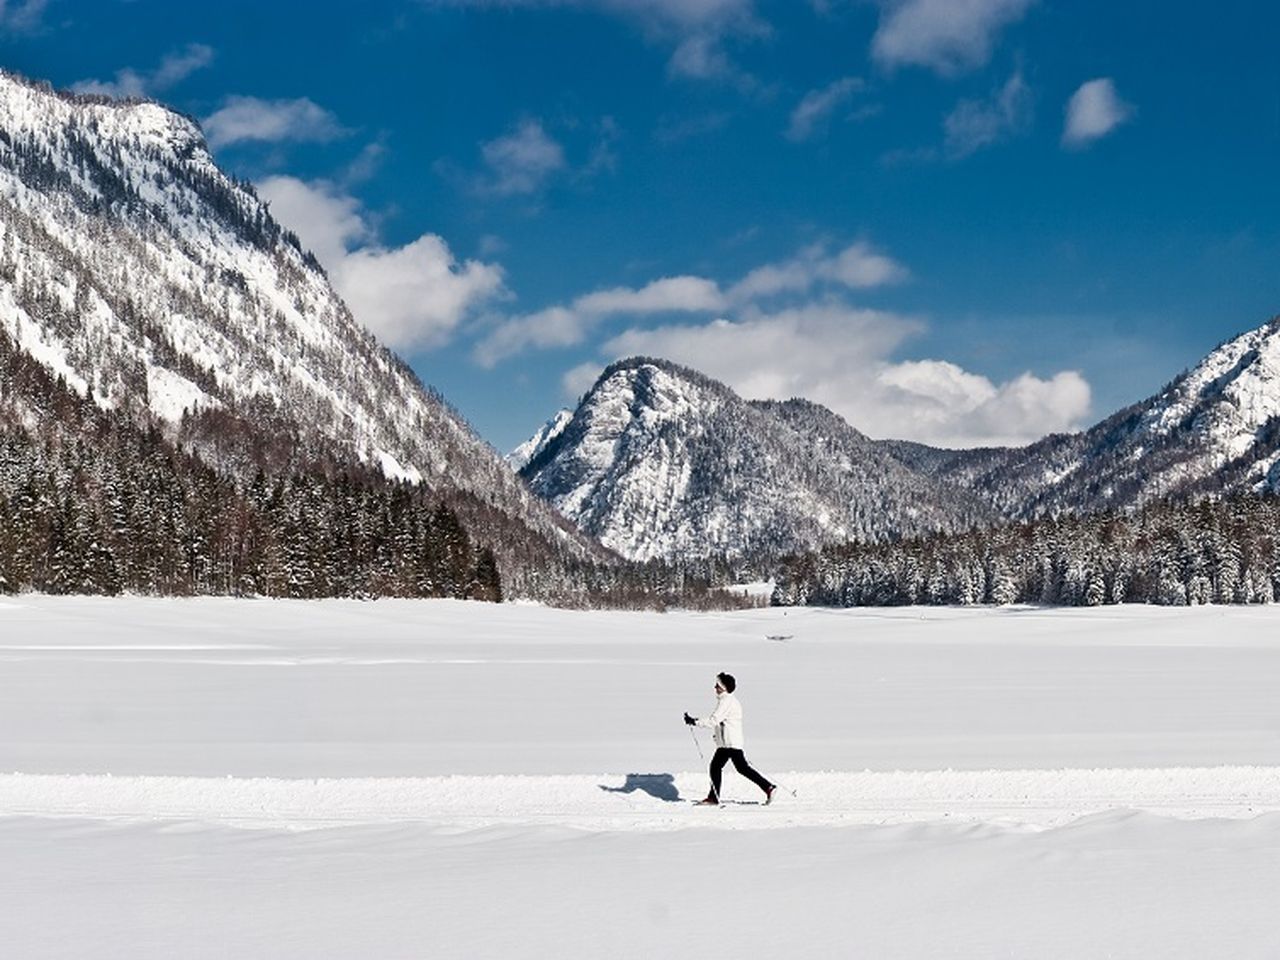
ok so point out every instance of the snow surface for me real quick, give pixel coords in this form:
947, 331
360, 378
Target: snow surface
213, 778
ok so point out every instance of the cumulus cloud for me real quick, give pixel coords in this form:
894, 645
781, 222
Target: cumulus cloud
1093, 112
954, 407
564, 326
328, 221
816, 106
415, 295
858, 266
668, 294
948, 36
975, 124
841, 356
410, 297
173, 69
520, 162
243, 119
579, 380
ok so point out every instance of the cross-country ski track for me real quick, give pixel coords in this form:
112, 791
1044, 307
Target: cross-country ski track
652, 802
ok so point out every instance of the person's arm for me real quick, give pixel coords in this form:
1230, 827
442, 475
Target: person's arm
714, 720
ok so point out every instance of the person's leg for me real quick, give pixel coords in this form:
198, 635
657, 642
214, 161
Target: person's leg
718, 760
740, 764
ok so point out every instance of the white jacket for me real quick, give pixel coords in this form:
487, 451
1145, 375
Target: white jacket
725, 722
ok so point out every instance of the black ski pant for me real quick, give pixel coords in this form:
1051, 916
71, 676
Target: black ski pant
722, 756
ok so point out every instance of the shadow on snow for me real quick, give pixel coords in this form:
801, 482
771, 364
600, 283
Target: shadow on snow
660, 786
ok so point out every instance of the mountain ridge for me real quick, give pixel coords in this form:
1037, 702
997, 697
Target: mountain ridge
1214, 428
155, 284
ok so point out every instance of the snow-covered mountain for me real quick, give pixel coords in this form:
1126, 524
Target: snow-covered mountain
161, 288
660, 461
522, 454
1216, 428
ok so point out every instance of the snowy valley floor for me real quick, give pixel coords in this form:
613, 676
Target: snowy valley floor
216, 778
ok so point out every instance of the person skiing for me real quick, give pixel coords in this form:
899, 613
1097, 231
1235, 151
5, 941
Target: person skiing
726, 728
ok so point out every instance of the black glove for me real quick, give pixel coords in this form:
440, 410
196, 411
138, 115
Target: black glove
689, 720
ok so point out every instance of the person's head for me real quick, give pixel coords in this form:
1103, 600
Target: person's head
725, 682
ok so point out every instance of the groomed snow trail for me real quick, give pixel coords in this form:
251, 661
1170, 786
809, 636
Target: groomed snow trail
1034, 799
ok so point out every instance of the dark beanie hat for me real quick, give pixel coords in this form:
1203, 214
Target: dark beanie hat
727, 681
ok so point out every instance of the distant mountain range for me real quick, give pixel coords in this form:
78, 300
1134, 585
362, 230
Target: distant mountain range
660, 461
161, 289
153, 287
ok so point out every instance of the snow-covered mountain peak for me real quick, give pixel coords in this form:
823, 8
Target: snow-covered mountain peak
1213, 430
37, 109
521, 455
661, 461
639, 396
161, 287
1228, 396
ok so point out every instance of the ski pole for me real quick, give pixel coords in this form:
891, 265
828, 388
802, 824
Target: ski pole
701, 755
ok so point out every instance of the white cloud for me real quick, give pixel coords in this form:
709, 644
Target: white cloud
173, 69
691, 294
840, 356
176, 67
249, 118
20, 17
817, 105
948, 36
960, 409
580, 379
697, 28
789, 332
328, 222
858, 266
561, 326
702, 56
975, 124
414, 296
520, 162
552, 327
526, 160
1093, 112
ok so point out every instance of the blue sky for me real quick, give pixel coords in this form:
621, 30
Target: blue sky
958, 221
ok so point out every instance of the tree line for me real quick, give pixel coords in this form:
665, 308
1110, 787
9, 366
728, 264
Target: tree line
90, 502
1172, 552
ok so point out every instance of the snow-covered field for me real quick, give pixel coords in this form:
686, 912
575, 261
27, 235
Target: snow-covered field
218, 778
